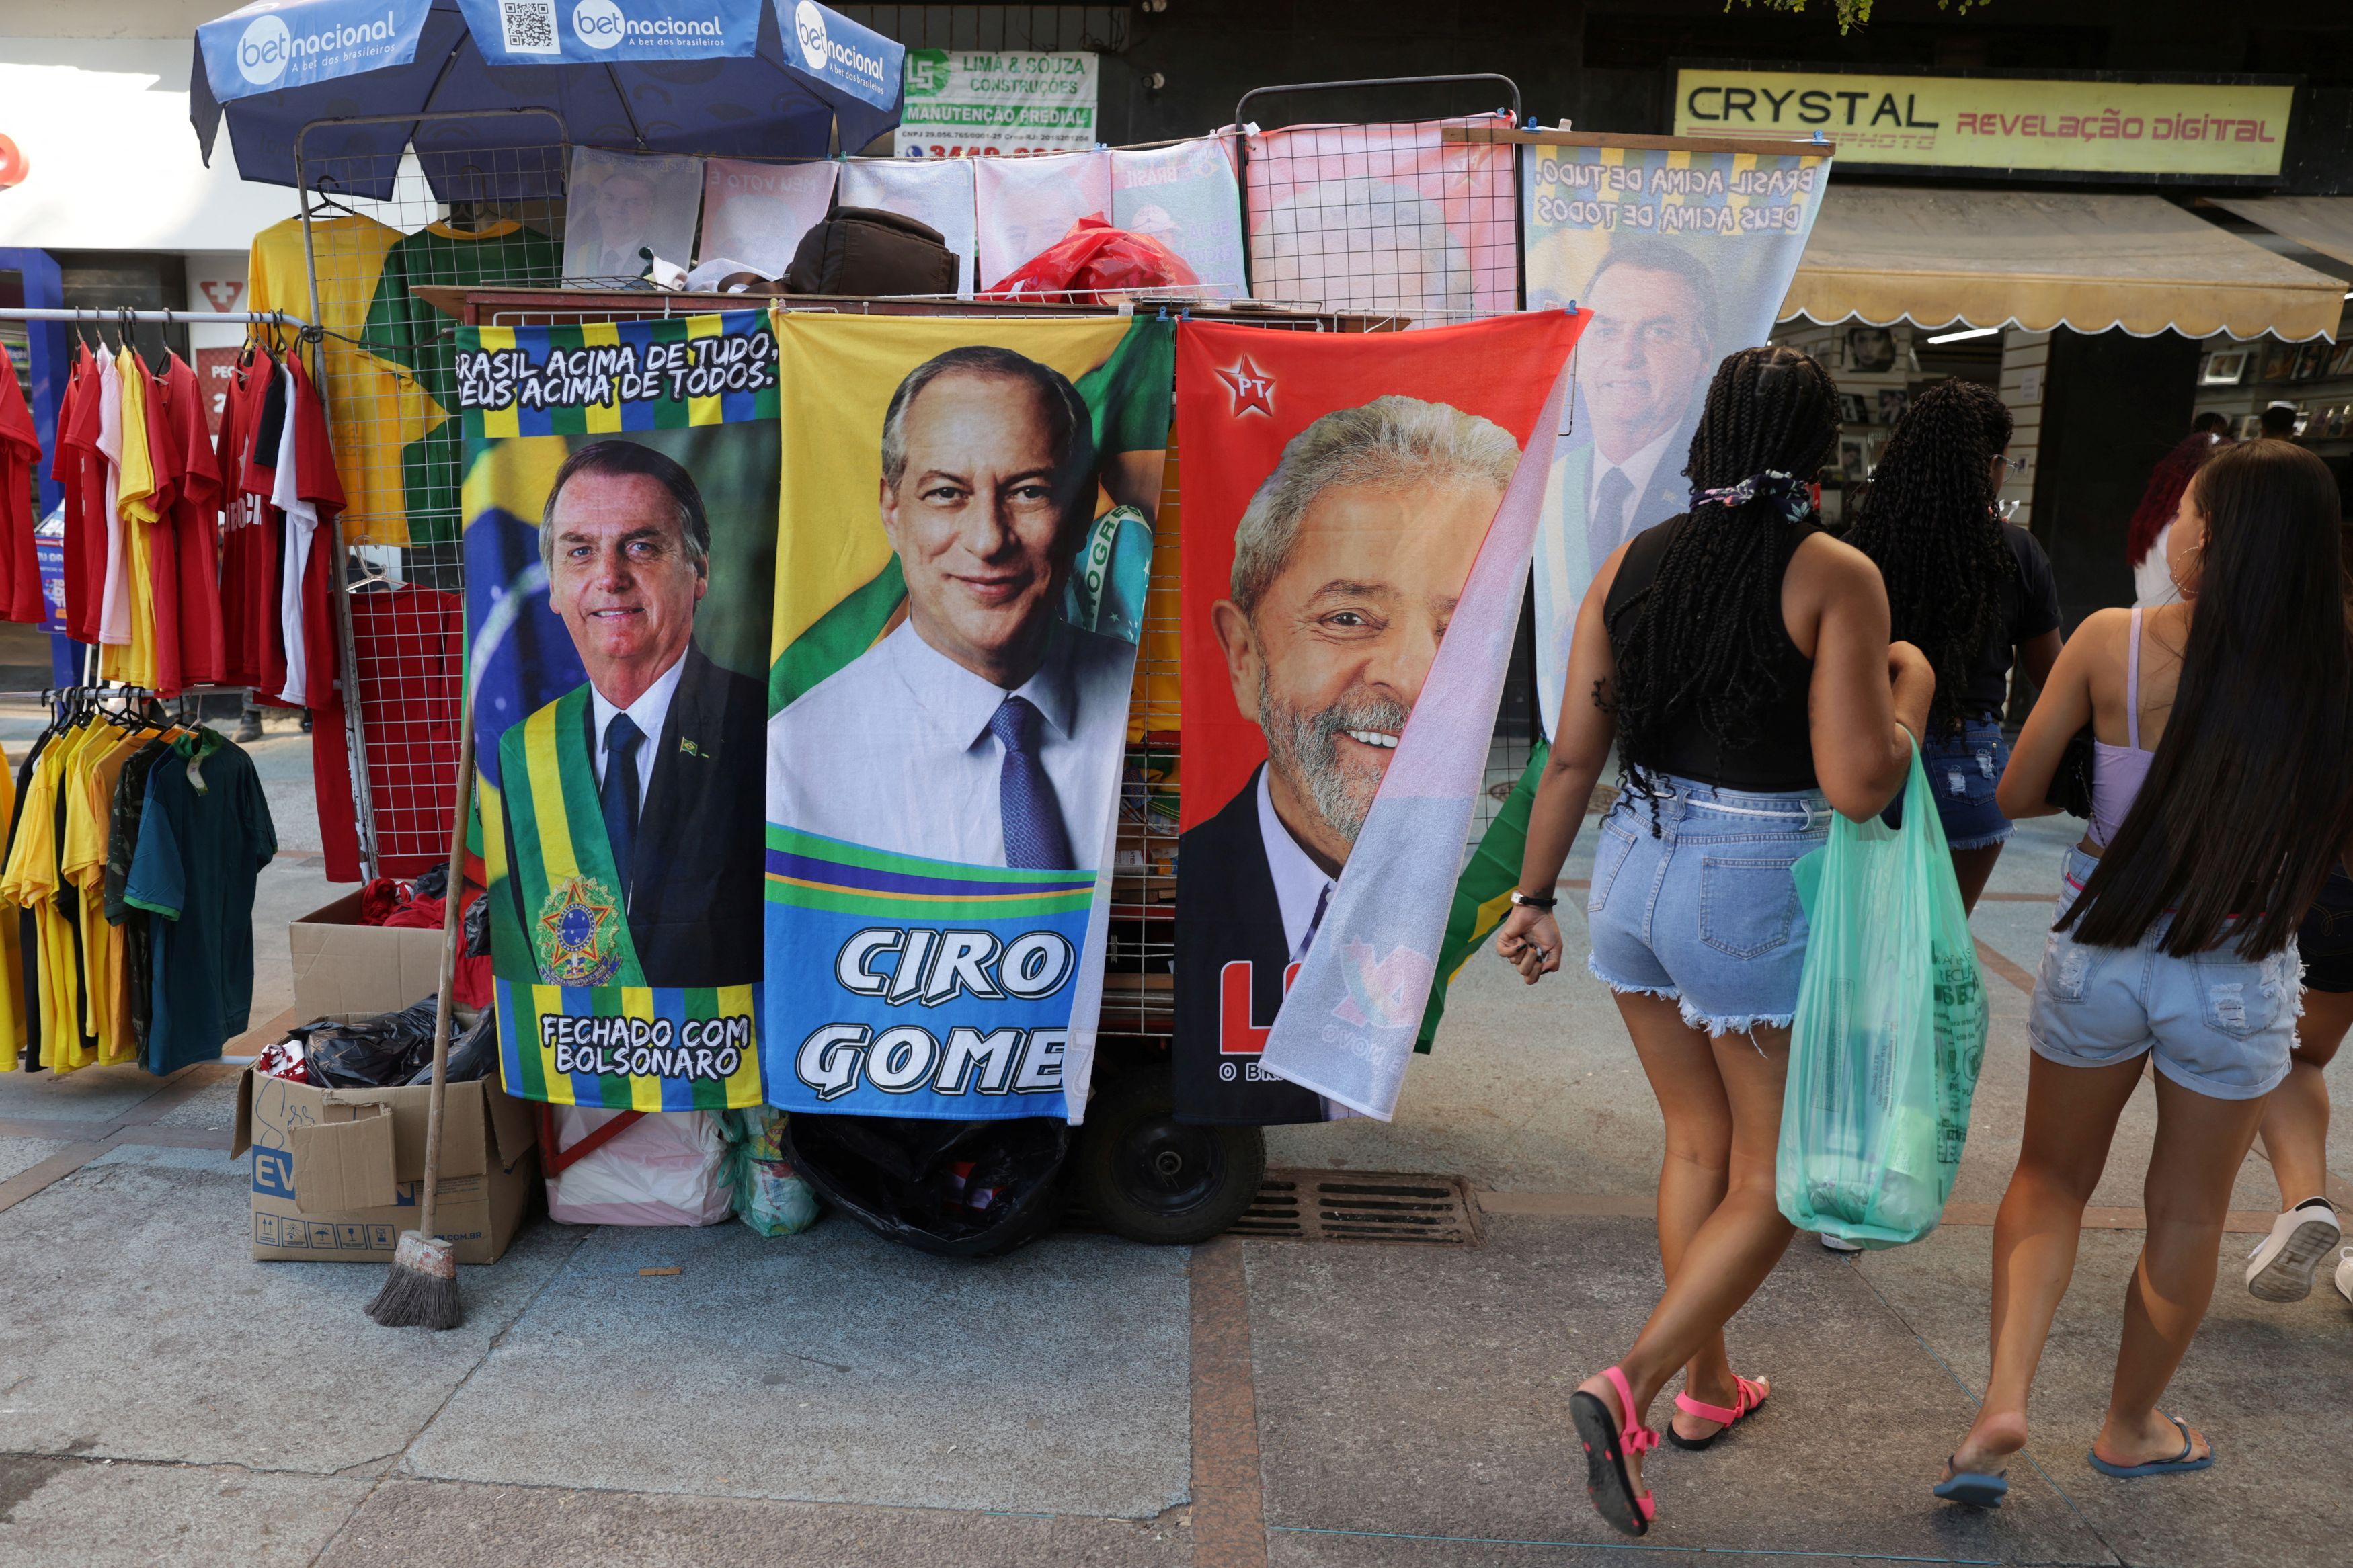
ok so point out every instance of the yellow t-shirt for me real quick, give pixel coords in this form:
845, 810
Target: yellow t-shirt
94, 774
31, 881
134, 661
12, 967
373, 409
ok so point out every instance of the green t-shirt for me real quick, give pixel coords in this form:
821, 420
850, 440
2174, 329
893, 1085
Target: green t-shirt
203, 841
409, 332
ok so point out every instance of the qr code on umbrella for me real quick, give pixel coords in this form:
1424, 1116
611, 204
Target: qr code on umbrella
529, 26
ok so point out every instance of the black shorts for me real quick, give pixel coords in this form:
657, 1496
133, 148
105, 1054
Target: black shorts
2326, 938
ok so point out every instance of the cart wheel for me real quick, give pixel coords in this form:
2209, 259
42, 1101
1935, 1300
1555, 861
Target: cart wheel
1148, 1177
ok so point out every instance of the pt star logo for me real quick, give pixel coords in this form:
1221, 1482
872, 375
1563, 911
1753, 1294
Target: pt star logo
1253, 389
575, 946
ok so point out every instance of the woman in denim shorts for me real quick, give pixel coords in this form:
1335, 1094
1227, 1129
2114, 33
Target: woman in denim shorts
2223, 794
1738, 659
1972, 591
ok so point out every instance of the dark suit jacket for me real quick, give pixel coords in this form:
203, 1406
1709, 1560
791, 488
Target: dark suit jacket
1667, 495
1226, 910
695, 882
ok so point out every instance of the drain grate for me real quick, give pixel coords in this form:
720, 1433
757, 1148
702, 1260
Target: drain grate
1361, 1206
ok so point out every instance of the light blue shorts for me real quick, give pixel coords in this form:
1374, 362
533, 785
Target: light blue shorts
1707, 913
2219, 1024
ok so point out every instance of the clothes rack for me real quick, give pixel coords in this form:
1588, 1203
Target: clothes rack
100, 316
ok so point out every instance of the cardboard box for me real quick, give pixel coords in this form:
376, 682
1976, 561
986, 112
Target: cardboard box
342, 967
336, 1171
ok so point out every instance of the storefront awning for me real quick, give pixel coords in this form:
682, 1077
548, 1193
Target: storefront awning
1935, 258
2324, 223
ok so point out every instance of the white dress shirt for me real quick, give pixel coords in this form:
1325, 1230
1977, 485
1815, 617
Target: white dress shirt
1638, 468
302, 524
893, 749
1300, 884
648, 714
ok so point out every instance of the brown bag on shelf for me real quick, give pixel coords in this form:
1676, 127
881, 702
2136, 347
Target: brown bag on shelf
864, 251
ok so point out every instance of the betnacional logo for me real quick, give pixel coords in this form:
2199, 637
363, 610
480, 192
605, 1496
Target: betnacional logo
818, 48
809, 26
261, 54
599, 24
269, 46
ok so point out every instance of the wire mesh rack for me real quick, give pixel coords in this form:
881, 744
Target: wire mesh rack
1411, 223
388, 370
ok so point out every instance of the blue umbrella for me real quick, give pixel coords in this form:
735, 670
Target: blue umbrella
725, 77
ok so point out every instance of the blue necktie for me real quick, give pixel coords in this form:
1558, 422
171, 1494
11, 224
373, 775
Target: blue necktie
619, 794
1034, 837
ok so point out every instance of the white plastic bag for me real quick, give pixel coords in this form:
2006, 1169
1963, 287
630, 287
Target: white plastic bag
665, 1168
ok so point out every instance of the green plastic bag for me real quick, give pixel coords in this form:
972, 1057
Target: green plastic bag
1890, 1031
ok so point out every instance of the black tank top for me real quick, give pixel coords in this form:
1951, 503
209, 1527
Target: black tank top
1782, 756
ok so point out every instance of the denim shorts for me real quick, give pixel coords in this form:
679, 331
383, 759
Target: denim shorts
1707, 913
2326, 937
2219, 1024
1963, 770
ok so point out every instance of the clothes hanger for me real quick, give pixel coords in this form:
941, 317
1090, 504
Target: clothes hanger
328, 202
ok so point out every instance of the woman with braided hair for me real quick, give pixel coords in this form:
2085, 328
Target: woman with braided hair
1968, 590
1738, 659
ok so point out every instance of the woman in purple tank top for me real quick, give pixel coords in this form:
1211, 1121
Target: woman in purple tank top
2224, 787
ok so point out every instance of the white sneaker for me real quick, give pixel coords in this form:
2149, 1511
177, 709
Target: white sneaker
2281, 1267
2344, 1281
1838, 1243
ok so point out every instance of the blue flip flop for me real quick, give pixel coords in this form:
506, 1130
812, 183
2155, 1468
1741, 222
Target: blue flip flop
1974, 1487
2174, 1466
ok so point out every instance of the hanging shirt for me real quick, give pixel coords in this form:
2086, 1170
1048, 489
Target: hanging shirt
248, 583
92, 778
32, 882
114, 602
376, 408
203, 840
15, 1026
20, 458
25, 923
131, 658
87, 507
195, 506
122, 841
407, 330
160, 659
301, 522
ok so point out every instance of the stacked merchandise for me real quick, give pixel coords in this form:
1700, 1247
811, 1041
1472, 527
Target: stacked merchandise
128, 883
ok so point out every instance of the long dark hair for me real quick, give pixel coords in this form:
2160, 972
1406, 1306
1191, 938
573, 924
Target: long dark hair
1703, 640
2249, 798
1928, 521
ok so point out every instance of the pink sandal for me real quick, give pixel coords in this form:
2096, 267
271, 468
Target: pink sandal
1752, 1394
1607, 1443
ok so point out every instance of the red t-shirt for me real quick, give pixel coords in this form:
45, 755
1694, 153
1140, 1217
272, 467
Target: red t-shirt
193, 509
20, 455
86, 521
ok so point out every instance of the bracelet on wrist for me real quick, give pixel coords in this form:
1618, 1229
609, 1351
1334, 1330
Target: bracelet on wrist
1535, 902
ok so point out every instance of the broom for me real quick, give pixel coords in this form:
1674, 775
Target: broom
421, 1290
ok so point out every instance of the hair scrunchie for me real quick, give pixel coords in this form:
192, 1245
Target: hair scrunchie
1793, 495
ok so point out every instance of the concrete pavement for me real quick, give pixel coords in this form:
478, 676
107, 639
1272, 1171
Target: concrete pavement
832, 1400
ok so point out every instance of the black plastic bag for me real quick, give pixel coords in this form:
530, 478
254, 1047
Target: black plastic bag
472, 1056
369, 1053
433, 883
475, 933
957, 1189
